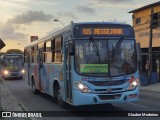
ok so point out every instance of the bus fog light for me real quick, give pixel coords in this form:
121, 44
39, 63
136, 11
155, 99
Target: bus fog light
83, 88
132, 96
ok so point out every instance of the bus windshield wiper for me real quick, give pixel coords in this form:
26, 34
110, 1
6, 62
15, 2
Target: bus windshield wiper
95, 48
117, 45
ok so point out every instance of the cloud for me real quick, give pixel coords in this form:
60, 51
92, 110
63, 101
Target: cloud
66, 14
19, 27
15, 28
31, 16
48, 1
54, 30
85, 9
112, 3
117, 20
8, 31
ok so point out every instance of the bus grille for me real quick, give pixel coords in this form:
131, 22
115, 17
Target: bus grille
109, 97
14, 74
108, 83
112, 90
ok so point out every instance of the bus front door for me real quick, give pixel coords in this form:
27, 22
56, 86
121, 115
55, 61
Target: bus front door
67, 70
40, 69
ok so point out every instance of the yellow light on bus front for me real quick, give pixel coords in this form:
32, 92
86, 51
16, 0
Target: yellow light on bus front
80, 86
83, 88
22, 71
135, 83
5, 72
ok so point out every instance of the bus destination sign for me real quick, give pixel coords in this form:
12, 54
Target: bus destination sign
102, 30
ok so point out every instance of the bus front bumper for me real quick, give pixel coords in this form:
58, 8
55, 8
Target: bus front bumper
80, 98
12, 75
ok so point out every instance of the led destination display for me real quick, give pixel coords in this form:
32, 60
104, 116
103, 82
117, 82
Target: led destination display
103, 30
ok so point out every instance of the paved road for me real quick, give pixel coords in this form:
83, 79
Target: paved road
149, 101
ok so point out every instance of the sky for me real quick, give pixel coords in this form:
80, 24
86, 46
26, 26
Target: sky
21, 19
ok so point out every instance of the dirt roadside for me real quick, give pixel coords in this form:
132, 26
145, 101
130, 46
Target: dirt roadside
8, 102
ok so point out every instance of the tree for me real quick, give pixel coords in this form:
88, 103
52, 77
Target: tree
2, 53
13, 51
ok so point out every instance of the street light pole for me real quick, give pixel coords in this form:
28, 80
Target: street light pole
56, 20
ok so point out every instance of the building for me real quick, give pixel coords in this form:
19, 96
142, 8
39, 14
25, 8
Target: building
143, 21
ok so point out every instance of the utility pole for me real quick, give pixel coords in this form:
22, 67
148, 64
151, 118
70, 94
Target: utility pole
150, 47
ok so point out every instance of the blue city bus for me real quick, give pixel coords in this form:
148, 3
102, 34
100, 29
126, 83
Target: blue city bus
12, 66
85, 64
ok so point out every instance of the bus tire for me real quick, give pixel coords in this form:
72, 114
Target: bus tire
34, 90
60, 102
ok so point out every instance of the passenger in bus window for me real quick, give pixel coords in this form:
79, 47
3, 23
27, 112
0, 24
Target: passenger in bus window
127, 68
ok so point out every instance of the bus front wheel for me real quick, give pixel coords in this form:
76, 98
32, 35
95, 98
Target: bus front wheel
59, 98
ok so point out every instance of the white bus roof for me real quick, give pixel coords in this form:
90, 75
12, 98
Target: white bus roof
69, 28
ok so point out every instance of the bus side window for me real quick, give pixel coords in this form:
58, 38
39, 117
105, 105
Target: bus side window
58, 50
47, 52
26, 52
34, 53
53, 49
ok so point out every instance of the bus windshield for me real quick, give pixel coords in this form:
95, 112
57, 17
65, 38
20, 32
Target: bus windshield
13, 62
116, 57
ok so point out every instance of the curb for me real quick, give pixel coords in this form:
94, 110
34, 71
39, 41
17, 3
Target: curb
8, 102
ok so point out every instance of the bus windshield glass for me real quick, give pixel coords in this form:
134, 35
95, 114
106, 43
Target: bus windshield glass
13, 62
112, 57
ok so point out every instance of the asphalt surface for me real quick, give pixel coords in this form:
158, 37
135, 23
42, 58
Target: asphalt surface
149, 101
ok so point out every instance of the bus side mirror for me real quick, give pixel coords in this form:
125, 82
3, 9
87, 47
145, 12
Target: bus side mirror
71, 49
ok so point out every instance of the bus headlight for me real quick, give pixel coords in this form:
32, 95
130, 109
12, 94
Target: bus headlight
83, 88
133, 85
5, 72
22, 71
